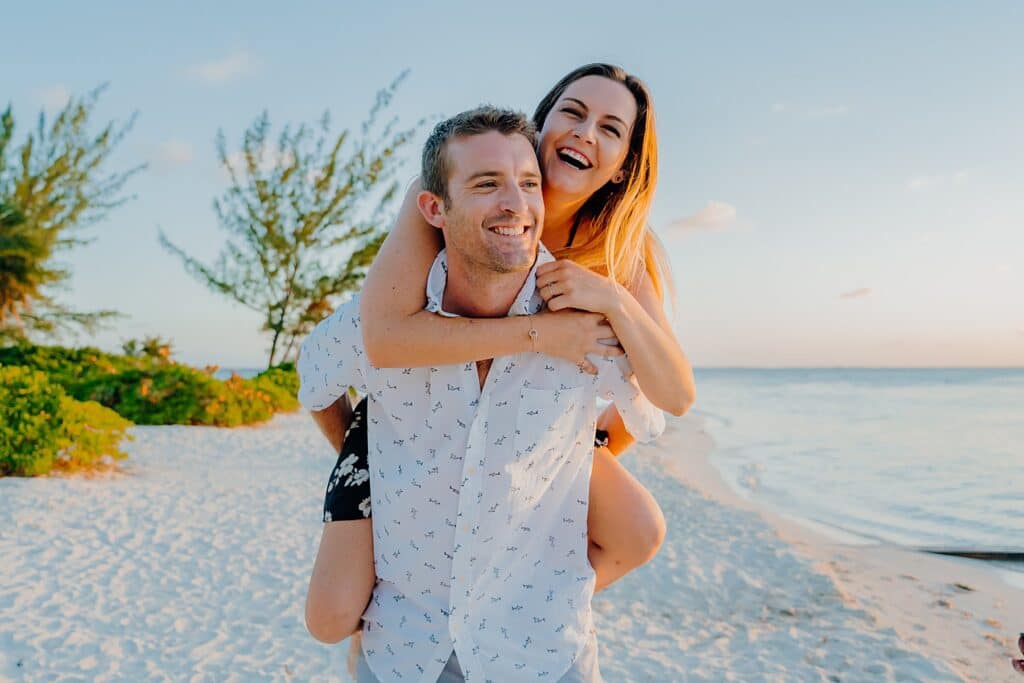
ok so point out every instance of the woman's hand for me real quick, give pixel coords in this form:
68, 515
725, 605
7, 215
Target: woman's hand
574, 334
566, 284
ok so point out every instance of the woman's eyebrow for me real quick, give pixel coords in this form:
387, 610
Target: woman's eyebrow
586, 108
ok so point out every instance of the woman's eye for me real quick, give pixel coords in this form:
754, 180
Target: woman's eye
613, 130
572, 112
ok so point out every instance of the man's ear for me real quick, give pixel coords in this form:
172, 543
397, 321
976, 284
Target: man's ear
432, 208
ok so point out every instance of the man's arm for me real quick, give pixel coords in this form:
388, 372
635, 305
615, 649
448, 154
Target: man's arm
334, 420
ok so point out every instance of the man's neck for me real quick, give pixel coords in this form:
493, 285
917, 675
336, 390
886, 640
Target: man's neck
478, 293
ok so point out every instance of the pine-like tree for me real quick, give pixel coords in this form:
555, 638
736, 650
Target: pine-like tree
51, 187
305, 215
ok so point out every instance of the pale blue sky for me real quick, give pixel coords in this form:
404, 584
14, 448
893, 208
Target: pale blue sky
842, 184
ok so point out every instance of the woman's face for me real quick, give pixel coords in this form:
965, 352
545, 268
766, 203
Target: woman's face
585, 137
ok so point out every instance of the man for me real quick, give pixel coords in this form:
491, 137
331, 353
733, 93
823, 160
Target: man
479, 472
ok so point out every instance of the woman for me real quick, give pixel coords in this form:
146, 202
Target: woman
598, 155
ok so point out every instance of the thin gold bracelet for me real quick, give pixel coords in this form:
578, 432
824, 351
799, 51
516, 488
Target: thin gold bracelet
532, 333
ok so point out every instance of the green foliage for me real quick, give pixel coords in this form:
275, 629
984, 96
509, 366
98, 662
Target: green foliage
284, 378
41, 428
305, 217
69, 408
68, 367
154, 348
30, 422
174, 394
91, 435
52, 186
178, 394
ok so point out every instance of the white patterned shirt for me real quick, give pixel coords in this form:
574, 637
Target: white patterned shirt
479, 498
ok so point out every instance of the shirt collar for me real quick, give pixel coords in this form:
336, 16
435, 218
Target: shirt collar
527, 301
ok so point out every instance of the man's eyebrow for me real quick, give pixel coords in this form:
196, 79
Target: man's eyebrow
483, 174
497, 174
585, 107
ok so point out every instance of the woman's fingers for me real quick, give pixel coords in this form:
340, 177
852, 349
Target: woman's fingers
551, 290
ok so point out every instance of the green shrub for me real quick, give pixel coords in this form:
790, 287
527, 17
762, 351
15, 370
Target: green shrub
30, 422
179, 394
147, 388
91, 435
172, 394
69, 368
282, 384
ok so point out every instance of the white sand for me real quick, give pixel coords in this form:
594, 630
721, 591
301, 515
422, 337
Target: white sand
193, 563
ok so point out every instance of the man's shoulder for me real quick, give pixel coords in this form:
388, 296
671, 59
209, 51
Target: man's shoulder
346, 313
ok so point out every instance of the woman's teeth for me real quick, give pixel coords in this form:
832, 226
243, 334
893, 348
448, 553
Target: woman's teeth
510, 232
574, 158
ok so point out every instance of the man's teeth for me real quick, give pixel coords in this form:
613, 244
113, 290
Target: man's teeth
510, 232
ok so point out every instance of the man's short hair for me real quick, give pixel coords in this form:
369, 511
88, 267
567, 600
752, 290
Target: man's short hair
483, 119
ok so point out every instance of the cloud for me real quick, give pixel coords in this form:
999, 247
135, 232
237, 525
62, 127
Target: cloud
857, 293
223, 70
927, 182
54, 96
173, 153
714, 216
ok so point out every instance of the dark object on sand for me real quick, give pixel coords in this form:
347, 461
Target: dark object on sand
990, 555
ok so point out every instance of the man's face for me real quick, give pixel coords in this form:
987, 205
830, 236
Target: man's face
495, 211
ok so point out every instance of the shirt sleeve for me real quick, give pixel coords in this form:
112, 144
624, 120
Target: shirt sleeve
332, 359
617, 383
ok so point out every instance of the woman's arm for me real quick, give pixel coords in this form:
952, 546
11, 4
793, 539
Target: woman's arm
662, 369
398, 333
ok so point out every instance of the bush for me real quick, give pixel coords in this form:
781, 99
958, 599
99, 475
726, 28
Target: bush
173, 394
41, 428
91, 435
282, 384
149, 389
179, 394
69, 368
30, 424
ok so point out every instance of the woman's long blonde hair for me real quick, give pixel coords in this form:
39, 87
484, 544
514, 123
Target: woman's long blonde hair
613, 222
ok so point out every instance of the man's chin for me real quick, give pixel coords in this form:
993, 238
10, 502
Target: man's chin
514, 263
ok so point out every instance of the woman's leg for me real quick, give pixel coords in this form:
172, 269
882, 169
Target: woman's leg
343, 573
625, 523
342, 580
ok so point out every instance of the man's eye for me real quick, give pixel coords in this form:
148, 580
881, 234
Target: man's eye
489, 183
531, 183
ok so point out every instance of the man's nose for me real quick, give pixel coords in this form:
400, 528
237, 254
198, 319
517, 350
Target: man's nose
513, 200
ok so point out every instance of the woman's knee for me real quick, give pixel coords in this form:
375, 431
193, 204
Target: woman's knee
331, 621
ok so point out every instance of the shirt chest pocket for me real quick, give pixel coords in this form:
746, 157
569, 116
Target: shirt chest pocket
548, 425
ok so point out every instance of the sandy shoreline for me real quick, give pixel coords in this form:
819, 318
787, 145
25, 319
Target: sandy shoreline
192, 565
959, 612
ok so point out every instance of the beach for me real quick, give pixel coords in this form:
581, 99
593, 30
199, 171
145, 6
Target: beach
191, 563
